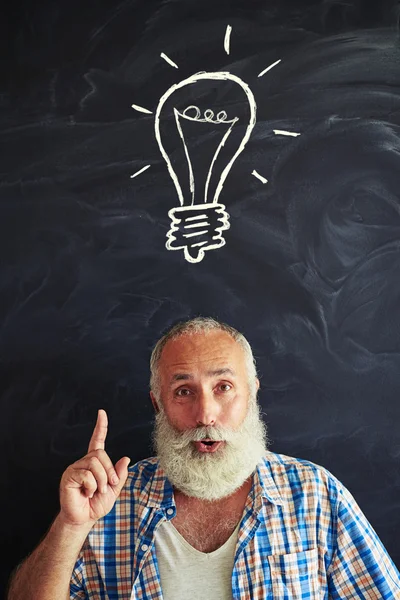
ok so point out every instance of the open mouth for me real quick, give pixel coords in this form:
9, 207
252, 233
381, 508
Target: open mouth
207, 445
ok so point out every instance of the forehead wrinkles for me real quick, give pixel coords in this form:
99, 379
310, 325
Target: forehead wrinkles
212, 367
179, 375
201, 348
199, 353
218, 360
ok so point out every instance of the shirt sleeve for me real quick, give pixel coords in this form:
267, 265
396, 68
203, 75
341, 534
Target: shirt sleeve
361, 566
76, 588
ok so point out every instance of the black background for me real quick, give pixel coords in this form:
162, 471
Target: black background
311, 267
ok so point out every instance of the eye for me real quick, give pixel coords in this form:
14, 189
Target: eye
182, 392
225, 387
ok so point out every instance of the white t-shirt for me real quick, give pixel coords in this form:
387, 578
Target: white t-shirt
188, 573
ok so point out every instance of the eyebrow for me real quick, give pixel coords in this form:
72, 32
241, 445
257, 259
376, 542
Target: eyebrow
224, 371
213, 373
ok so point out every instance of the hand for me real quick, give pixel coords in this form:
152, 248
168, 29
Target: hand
90, 486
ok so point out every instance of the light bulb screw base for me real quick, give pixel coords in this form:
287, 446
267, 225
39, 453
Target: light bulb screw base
196, 229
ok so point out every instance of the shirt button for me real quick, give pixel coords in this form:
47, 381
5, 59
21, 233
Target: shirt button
170, 511
145, 547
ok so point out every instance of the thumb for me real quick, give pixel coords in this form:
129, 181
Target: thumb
121, 468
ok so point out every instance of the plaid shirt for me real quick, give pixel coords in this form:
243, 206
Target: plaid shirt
302, 536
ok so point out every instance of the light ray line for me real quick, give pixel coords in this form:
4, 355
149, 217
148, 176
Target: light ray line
260, 177
282, 132
227, 41
269, 68
168, 60
141, 171
141, 109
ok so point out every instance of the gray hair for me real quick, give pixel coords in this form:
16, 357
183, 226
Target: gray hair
193, 326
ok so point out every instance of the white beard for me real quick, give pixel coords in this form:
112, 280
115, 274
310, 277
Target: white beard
210, 476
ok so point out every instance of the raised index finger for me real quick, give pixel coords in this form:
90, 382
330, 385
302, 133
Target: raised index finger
98, 439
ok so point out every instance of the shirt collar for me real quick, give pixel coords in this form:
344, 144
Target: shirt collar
264, 485
158, 492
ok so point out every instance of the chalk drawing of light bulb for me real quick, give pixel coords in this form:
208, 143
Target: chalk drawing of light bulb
197, 225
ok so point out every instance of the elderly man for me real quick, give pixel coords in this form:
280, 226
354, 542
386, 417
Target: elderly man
214, 515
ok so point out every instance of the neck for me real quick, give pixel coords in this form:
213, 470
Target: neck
207, 525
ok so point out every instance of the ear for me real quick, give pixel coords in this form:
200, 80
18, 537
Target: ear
257, 384
154, 402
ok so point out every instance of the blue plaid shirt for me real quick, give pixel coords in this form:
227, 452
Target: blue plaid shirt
302, 536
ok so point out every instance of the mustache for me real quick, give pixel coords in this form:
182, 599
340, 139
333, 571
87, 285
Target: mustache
216, 433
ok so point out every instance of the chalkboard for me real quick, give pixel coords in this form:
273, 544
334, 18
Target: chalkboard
302, 254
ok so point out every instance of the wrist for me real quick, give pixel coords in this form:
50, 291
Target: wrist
62, 526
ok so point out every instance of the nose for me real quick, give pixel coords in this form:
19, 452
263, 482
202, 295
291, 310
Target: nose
207, 409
